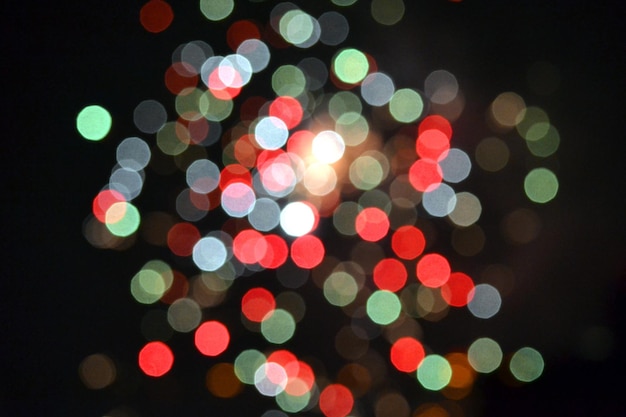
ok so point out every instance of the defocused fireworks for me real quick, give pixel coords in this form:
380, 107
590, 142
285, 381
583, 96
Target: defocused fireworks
333, 188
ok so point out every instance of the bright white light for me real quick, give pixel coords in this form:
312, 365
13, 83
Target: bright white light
328, 146
270, 379
297, 219
238, 199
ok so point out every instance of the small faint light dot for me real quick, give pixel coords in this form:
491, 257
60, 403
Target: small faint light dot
541, 185
492, 154
93, 122
387, 12
335, 28
156, 359
526, 364
156, 16
97, 371
222, 382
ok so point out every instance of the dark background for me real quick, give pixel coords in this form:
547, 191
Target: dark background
62, 299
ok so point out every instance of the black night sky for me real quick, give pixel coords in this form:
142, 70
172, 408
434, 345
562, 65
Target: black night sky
63, 299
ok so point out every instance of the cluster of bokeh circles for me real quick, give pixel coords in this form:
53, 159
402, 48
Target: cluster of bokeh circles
338, 180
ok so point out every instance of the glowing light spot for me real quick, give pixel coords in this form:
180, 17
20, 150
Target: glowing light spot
276, 252
270, 379
390, 274
184, 315
456, 291
271, 133
209, 253
407, 354
406, 105
307, 251
546, 145
350, 66
526, 364
216, 10
278, 327
340, 288
366, 172
156, 16
484, 301
133, 154
320, 179
156, 359
507, 109
434, 373
328, 146
288, 80
383, 307
257, 303
455, 166
211, 338
265, 215
299, 28
297, 219
433, 270
439, 202
93, 122
408, 242
377, 89
126, 181
467, 209
246, 365
203, 176
484, 355
541, 185
122, 219
372, 224
336, 401
256, 52
238, 199
432, 144
287, 109
103, 202
425, 175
